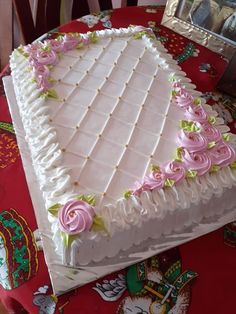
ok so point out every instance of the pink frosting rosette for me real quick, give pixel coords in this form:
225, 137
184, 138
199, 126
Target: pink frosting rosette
174, 170
183, 99
177, 87
85, 40
140, 187
43, 83
70, 41
33, 48
210, 132
141, 28
47, 57
192, 141
42, 73
34, 62
197, 161
56, 45
222, 154
196, 113
75, 217
155, 180
41, 70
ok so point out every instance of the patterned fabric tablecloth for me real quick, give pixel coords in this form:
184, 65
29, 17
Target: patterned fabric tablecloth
197, 277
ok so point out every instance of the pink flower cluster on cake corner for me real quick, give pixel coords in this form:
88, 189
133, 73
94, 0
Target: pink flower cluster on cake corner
202, 147
43, 56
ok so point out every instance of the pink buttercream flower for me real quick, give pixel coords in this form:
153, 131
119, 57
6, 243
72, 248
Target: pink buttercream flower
56, 45
85, 40
222, 154
210, 132
47, 57
177, 87
70, 41
155, 180
41, 70
183, 99
141, 28
174, 170
197, 161
43, 83
196, 113
192, 141
34, 62
33, 48
76, 217
140, 187
41, 73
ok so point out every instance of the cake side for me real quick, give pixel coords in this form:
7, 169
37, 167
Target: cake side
130, 218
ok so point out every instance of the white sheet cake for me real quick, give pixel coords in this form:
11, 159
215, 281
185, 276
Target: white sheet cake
123, 147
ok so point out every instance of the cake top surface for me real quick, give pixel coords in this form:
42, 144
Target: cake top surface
113, 120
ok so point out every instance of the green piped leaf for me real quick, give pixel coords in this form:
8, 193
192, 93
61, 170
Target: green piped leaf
179, 152
169, 183
90, 199
197, 101
6, 126
139, 35
98, 224
60, 55
54, 209
233, 165
22, 52
60, 36
174, 93
127, 194
152, 36
172, 79
50, 66
215, 168
191, 174
68, 238
211, 144
51, 93
52, 80
46, 48
93, 37
75, 35
80, 46
155, 168
226, 137
212, 120
189, 126
20, 49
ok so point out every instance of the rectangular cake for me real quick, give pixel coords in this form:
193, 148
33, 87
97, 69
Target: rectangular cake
123, 147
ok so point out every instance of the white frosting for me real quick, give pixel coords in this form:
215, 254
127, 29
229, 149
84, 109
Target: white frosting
108, 126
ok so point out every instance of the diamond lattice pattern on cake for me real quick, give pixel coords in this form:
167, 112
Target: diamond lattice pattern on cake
114, 118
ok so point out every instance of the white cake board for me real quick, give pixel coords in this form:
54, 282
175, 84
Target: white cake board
64, 278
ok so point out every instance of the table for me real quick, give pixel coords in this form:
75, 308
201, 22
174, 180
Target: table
206, 266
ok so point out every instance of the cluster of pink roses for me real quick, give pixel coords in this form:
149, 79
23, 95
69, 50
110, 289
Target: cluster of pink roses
44, 55
199, 150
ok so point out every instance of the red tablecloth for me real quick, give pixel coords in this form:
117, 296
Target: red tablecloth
199, 276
